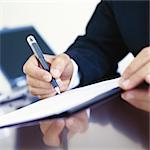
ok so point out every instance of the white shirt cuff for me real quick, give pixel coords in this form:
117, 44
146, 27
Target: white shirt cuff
75, 80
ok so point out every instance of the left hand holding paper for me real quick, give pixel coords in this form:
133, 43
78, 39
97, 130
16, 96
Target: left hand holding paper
137, 72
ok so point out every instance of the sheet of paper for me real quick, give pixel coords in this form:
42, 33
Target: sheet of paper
57, 104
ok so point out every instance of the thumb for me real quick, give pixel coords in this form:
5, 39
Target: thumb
59, 64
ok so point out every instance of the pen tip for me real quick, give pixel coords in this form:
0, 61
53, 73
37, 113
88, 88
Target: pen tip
57, 90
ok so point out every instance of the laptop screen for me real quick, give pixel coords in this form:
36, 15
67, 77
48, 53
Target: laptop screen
14, 50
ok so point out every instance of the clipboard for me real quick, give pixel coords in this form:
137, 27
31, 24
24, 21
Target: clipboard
98, 98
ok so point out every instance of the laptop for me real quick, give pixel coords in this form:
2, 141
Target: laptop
14, 50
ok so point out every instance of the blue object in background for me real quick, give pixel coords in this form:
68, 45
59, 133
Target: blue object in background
14, 50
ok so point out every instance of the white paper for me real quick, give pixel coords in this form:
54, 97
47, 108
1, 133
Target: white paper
57, 104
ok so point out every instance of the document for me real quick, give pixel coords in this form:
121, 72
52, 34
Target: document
57, 104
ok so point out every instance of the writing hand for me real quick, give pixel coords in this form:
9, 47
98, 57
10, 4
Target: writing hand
39, 80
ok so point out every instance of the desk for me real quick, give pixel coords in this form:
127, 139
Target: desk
114, 125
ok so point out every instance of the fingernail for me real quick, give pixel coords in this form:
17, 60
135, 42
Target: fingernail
55, 72
126, 83
127, 96
47, 78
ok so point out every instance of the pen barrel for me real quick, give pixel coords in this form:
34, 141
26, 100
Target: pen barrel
54, 83
44, 64
39, 55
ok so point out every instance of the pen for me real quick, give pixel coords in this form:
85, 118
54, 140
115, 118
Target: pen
39, 55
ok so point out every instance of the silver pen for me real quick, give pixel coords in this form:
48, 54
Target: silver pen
39, 55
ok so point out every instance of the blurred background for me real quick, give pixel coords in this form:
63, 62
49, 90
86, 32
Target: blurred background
58, 23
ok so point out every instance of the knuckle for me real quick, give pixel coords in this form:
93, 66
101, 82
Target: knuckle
61, 61
65, 57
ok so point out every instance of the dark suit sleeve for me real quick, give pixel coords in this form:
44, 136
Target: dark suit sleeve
99, 50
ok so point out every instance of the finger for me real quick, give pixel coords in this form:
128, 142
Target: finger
46, 85
49, 58
40, 91
41, 97
78, 123
136, 78
137, 94
140, 60
32, 68
138, 98
75, 126
51, 137
38, 83
83, 116
63, 85
71, 134
45, 125
59, 64
140, 105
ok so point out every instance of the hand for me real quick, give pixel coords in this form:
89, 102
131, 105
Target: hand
39, 80
137, 72
52, 129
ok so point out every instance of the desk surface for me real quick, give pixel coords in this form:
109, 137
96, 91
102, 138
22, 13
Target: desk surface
113, 125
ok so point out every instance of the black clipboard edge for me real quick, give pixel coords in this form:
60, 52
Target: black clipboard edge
102, 98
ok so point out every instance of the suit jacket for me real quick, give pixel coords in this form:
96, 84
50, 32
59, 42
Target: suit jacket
115, 29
